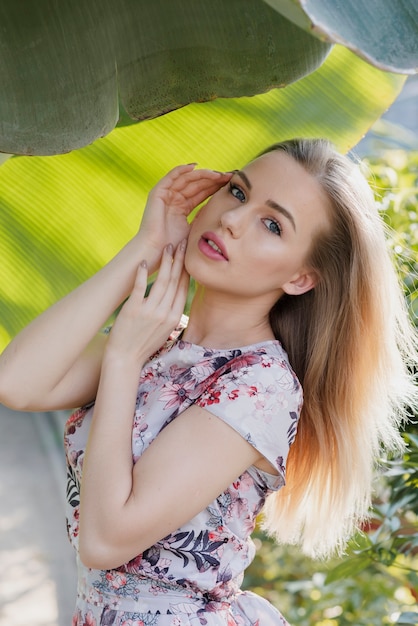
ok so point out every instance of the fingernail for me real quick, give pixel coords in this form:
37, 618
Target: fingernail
169, 248
144, 264
183, 245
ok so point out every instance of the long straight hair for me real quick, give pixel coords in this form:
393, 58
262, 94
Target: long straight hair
354, 350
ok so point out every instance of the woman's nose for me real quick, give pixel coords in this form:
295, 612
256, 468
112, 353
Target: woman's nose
232, 220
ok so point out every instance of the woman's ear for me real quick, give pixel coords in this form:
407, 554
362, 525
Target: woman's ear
303, 282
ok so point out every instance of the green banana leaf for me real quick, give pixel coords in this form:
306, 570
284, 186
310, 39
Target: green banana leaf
383, 32
63, 217
65, 64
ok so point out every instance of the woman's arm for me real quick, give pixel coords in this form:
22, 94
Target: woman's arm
125, 510
55, 361
189, 464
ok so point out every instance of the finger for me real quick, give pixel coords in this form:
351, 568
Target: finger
181, 296
160, 284
174, 278
203, 194
140, 285
194, 180
195, 193
176, 174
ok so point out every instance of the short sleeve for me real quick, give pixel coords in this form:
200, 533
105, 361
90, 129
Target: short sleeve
261, 399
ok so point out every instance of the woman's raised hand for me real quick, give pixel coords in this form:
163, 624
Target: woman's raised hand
144, 324
173, 199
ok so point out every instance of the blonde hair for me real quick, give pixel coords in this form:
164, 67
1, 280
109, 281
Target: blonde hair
353, 347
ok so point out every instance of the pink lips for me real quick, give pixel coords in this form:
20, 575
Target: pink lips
209, 251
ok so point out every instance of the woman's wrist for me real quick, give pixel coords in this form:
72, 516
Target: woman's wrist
147, 251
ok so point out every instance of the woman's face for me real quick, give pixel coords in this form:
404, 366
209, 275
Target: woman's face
252, 238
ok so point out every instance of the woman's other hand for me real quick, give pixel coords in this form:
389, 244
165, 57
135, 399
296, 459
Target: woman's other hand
172, 200
144, 324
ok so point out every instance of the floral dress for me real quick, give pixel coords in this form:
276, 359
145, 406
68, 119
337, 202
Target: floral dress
192, 577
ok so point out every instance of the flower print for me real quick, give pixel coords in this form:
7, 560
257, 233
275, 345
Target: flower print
246, 359
185, 608
74, 456
201, 371
224, 576
139, 428
156, 568
282, 400
244, 483
176, 621
174, 394
147, 374
292, 430
75, 419
237, 508
235, 376
74, 527
267, 361
108, 617
288, 379
139, 619
162, 568
248, 524
141, 397
176, 372
134, 565
244, 372
87, 620
213, 396
215, 519
116, 579
157, 365
224, 501
280, 465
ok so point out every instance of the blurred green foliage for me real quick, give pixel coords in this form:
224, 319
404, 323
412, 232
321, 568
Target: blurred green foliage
376, 582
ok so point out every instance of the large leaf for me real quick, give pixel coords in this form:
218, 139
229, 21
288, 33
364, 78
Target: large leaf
63, 62
62, 217
383, 32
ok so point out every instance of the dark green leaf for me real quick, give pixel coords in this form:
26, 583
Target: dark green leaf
348, 567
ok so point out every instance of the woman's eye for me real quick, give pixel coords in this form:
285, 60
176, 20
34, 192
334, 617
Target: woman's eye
237, 192
273, 226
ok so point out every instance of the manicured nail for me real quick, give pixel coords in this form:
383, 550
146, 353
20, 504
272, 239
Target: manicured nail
183, 245
144, 264
169, 248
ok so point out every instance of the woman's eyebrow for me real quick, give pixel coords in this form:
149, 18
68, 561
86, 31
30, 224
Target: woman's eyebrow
243, 177
270, 203
283, 211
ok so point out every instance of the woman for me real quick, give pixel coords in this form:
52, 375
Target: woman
295, 290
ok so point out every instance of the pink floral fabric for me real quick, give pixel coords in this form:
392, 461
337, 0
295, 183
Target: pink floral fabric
192, 577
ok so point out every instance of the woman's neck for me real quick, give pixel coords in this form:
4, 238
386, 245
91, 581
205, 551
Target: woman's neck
221, 321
